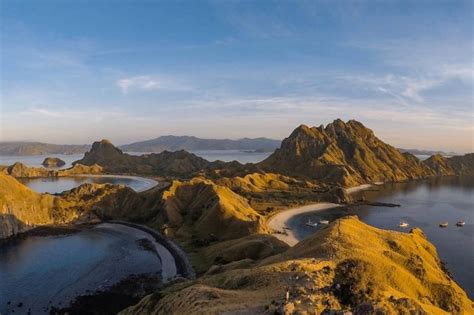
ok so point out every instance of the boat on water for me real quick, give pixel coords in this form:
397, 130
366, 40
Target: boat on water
443, 224
312, 224
403, 224
461, 223
323, 221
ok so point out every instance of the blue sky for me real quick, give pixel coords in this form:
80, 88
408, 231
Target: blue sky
78, 71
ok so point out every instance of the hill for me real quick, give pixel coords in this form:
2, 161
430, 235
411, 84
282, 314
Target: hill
38, 148
347, 267
189, 143
455, 165
21, 208
113, 160
343, 152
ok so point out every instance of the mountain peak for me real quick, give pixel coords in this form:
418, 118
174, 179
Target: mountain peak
343, 152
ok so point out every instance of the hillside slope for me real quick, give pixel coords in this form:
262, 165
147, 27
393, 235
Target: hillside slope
456, 165
22, 209
348, 266
113, 160
343, 152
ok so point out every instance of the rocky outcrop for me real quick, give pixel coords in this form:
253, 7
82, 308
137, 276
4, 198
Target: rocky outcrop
53, 162
347, 153
347, 267
113, 160
20, 170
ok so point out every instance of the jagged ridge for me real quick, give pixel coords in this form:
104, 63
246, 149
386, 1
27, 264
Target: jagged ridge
350, 154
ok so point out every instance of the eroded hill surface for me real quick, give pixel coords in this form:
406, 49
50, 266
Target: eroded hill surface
347, 266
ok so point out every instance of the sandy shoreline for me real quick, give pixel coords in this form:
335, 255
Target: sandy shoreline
279, 221
149, 183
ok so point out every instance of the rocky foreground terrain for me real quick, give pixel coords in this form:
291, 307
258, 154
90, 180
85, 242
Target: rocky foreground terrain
218, 213
349, 266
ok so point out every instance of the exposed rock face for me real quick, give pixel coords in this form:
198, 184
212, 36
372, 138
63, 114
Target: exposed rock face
343, 152
53, 162
113, 160
348, 266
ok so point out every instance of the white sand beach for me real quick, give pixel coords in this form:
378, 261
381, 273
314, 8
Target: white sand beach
279, 221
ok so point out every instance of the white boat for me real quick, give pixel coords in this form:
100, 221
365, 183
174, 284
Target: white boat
312, 224
323, 221
461, 223
403, 224
443, 224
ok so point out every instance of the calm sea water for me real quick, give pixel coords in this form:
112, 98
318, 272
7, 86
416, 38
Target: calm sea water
50, 271
59, 184
210, 155
36, 160
424, 204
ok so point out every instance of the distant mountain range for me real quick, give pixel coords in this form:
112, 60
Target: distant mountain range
38, 148
427, 152
188, 143
164, 143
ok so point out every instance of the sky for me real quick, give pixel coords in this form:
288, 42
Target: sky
79, 71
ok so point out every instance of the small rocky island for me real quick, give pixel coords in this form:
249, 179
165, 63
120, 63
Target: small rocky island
53, 162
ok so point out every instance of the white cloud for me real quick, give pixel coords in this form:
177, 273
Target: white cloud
144, 83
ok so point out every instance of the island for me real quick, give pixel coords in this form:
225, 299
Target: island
53, 162
219, 214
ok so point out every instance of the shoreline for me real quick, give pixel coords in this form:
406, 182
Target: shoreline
278, 222
181, 261
150, 183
